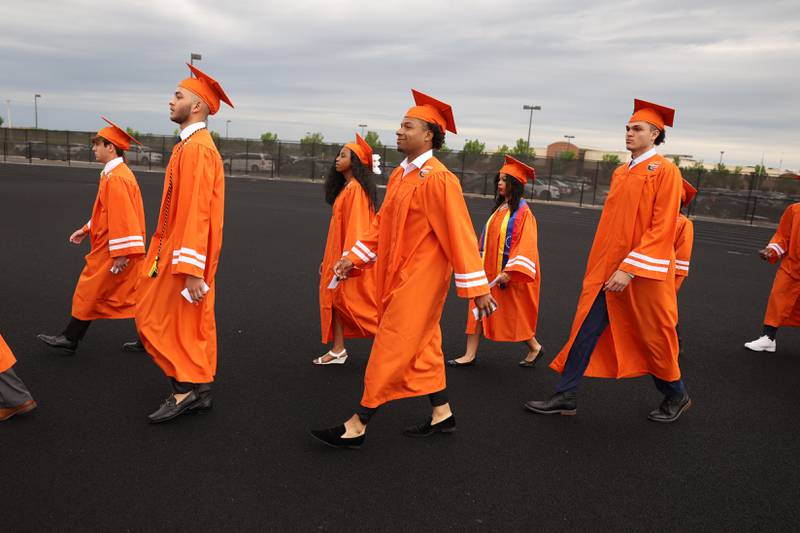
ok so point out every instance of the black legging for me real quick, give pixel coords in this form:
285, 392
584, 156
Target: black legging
437, 399
76, 329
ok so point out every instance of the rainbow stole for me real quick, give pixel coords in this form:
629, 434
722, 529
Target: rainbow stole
509, 229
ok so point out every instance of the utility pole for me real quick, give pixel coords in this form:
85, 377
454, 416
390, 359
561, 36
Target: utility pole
531, 108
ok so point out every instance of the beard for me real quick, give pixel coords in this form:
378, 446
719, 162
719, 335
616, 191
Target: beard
180, 115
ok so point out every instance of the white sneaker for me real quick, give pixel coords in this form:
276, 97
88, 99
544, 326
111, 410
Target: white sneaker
761, 344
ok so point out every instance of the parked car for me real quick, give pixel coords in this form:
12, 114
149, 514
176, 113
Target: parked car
41, 150
80, 152
542, 191
143, 155
247, 162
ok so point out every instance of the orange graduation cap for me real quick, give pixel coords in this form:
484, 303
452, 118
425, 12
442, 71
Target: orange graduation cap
688, 193
116, 135
207, 88
657, 115
518, 170
362, 150
432, 110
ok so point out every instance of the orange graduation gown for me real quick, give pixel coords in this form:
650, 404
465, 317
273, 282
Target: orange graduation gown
517, 303
636, 234
181, 336
421, 234
353, 298
116, 229
7, 359
783, 308
684, 240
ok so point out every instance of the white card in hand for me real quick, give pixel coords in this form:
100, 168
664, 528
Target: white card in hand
475, 311
185, 293
334, 282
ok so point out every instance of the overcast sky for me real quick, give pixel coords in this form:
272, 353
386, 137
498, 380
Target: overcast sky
730, 68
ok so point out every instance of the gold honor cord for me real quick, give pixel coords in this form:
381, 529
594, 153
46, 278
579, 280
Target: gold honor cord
153, 272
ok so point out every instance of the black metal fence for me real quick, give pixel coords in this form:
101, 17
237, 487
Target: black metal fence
721, 194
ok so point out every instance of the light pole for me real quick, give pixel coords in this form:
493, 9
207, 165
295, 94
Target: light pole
194, 56
569, 138
721, 153
362, 126
36, 111
227, 123
531, 108
8, 113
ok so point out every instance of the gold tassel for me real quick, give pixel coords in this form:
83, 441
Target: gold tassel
154, 269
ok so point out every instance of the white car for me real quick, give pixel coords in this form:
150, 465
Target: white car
542, 190
142, 155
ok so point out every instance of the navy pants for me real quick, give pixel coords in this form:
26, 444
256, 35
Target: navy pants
593, 326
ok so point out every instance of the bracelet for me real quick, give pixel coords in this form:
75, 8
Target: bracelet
631, 275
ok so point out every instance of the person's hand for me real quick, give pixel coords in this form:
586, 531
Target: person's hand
617, 282
195, 287
120, 264
77, 236
503, 278
342, 268
486, 305
766, 254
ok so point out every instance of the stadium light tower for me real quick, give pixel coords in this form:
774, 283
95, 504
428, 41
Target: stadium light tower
194, 56
36, 110
721, 153
569, 139
531, 108
362, 126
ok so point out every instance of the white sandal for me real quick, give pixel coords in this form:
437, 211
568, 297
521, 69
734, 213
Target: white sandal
338, 358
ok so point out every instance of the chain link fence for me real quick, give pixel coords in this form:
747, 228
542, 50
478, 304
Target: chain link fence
723, 195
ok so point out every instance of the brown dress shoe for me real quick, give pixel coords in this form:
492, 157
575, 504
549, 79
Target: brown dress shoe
21, 409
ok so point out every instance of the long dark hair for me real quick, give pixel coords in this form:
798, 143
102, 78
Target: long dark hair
514, 191
335, 181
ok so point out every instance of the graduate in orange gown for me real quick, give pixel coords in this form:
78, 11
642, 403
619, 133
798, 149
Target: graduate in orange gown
684, 240
15, 398
107, 284
783, 306
175, 308
510, 253
421, 236
347, 307
625, 323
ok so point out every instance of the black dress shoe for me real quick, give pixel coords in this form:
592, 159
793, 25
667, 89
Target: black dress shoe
560, 403
530, 364
135, 346
670, 409
333, 438
171, 409
448, 425
453, 362
58, 341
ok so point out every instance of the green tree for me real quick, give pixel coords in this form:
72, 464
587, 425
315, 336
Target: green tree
720, 168
373, 140
312, 138
474, 146
738, 169
269, 137
759, 170
567, 155
521, 148
217, 137
503, 149
444, 149
611, 159
133, 133
698, 165
677, 160
1, 121
176, 132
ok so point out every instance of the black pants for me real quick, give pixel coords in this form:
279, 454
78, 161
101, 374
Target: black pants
76, 329
769, 331
436, 398
593, 326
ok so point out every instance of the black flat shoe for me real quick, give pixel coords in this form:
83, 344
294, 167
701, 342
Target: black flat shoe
561, 403
530, 364
171, 409
58, 341
333, 437
453, 362
135, 346
448, 425
670, 409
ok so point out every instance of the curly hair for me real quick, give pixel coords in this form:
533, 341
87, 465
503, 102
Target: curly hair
515, 190
438, 135
335, 181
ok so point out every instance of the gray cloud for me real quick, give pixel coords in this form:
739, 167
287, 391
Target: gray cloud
730, 68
